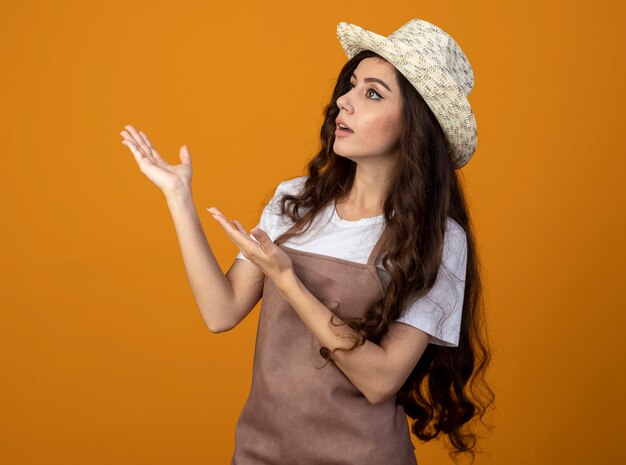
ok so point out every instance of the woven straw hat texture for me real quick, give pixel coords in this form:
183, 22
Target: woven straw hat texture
436, 66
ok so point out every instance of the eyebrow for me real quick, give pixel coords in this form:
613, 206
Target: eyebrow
371, 79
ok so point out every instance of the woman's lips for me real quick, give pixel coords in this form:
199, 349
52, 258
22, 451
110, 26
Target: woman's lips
340, 132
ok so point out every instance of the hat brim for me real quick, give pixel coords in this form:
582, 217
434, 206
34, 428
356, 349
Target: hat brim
433, 82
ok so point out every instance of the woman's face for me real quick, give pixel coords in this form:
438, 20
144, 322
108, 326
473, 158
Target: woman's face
372, 110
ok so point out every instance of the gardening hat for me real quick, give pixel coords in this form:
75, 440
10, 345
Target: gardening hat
436, 66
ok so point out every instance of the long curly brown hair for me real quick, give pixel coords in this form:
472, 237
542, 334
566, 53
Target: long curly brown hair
447, 387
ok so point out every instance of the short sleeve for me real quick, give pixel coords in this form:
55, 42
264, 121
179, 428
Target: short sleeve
271, 220
439, 312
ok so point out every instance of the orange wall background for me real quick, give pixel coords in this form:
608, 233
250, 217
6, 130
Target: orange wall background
104, 356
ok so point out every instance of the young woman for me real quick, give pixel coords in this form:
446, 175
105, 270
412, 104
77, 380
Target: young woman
367, 264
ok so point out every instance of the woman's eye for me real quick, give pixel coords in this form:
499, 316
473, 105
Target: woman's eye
350, 86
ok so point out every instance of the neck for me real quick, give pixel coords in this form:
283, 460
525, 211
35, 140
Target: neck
368, 191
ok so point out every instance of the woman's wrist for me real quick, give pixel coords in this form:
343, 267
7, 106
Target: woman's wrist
180, 192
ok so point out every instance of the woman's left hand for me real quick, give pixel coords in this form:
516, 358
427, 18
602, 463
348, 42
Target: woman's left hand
270, 258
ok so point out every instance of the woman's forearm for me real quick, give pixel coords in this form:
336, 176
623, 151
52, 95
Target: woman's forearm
366, 366
211, 288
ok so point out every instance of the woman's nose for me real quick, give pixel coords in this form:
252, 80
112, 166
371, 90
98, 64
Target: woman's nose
343, 102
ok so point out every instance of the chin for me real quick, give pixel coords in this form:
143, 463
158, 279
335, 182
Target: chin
354, 159
339, 151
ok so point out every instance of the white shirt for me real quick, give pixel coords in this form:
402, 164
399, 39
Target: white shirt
333, 236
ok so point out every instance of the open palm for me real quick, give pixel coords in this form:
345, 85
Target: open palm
167, 177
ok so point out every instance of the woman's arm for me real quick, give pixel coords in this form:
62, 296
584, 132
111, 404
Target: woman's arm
223, 300
223, 303
378, 371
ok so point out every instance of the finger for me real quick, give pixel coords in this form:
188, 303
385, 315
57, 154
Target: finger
234, 225
240, 227
221, 218
250, 235
139, 141
157, 156
184, 155
134, 134
215, 211
154, 151
243, 231
138, 154
128, 137
262, 238
233, 229
145, 138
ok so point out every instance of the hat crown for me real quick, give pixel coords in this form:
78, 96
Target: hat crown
436, 45
436, 67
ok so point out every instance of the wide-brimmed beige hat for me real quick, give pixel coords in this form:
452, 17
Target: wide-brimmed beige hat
436, 66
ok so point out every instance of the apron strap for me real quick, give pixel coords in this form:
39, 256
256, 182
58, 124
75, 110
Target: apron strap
376, 250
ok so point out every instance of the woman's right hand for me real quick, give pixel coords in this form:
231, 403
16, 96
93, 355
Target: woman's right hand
168, 178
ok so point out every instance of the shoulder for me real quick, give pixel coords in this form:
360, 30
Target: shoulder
455, 237
454, 255
454, 228
291, 186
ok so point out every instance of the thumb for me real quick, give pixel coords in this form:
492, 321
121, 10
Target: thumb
184, 155
261, 236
